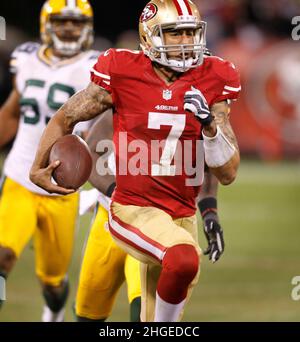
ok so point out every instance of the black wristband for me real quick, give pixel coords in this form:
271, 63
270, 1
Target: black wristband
206, 205
207, 121
110, 189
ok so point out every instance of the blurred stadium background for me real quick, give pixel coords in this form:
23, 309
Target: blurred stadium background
260, 211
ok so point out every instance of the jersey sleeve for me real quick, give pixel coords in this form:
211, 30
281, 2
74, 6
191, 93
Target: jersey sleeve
20, 54
101, 71
230, 84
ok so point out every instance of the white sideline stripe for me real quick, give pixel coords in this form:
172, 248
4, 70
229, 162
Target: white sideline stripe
106, 82
72, 3
99, 74
225, 92
232, 88
183, 7
135, 238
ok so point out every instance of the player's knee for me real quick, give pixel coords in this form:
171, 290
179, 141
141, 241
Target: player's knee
182, 261
7, 259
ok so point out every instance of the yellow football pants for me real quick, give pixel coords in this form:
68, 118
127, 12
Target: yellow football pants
104, 268
50, 220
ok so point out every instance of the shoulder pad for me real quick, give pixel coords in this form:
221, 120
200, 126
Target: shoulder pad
93, 54
224, 69
27, 48
21, 52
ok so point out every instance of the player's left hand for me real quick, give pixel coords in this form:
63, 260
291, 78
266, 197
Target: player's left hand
214, 235
195, 102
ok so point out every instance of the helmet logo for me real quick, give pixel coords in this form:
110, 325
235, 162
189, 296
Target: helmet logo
148, 13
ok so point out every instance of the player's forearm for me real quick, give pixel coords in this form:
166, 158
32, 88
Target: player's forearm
82, 106
209, 187
220, 145
227, 173
9, 118
8, 130
220, 111
101, 183
86, 105
224, 159
100, 131
56, 128
221, 156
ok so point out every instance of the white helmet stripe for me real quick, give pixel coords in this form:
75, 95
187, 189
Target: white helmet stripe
183, 7
71, 3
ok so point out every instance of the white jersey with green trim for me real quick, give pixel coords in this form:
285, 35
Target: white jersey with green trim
44, 87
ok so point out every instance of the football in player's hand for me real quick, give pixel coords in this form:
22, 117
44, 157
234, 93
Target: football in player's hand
75, 161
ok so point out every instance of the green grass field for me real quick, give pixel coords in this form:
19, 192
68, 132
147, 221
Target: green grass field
252, 282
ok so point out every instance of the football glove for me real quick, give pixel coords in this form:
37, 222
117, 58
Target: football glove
214, 235
195, 102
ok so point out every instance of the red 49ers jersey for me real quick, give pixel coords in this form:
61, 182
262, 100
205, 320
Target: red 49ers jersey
156, 141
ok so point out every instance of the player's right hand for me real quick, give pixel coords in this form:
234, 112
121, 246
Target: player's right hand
42, 178
195, 102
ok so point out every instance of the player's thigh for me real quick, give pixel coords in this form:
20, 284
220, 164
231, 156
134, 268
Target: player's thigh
190, 224
146, 232
18, 216
54, 238
133, 278
102, 271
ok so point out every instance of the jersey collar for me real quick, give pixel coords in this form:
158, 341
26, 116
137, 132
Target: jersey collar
57, 63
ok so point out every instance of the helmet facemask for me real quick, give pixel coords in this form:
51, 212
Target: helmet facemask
71, 48
158, 50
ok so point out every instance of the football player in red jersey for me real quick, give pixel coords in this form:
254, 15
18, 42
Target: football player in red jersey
96, 291
167, 93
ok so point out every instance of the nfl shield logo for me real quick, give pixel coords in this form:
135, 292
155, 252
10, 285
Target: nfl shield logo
167, 94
